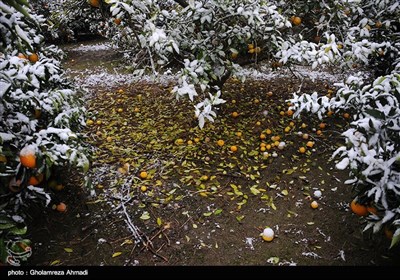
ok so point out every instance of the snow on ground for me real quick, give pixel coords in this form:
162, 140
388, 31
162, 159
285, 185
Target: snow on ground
103, 46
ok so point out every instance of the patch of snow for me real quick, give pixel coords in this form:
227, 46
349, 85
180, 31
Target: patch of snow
93, 48
249, 242
311, 255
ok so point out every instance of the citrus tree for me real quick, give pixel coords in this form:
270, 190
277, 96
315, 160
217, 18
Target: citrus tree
40, 117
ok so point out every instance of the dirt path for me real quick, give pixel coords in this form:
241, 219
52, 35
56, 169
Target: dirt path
201, 204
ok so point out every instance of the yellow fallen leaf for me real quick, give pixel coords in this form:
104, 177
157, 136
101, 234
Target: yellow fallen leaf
55, 262
68, 250
116, 254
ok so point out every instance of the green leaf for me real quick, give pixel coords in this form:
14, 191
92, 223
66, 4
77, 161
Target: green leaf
19, 231
273, 260
217, 211
55, 262
159, 222
285, 192
207, 214
396, 238
68, 250
240, 218
145, 216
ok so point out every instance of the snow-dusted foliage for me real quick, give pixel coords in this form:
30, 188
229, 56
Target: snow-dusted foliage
369, 36
40, 116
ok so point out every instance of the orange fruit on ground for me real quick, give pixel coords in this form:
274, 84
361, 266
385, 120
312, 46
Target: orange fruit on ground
238, 134
190, 142
258, 123
281, 113
263, 149
196, 140
262, 136
35, 180
220, 143
235, 114
314, 205
89, 122
120, 110
319, 132
329, 113
268, 147
27, 158
296, 20
310, 144
117, 21
359, 209
305, 136
234, 148
179, 141
250, 46
143, 174
289, 112
268, 131
33, 58
95, 3
61, 207
143, 188
287, 129
303, 125
346, 115
302, 150
322, 125
269, 93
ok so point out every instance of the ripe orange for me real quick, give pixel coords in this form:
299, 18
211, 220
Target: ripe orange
120, 110
314, 205
220, 143
262, 136
235, 114
281, 113
346, 115
329, 113
322, 125
239, 134
268, 131
258, 123
263, 149
302, 150
289, 112
28, 159
35, 180
303, 125
61, 207
305, 136
95, 3
33, 58
89, 122
143, 188
196, 140
268, 146
319, 132
143, 174
234, 148
179, 141
310, 144
359, 209
117, 21
296, 20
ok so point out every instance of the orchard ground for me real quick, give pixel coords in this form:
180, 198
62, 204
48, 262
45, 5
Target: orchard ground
200, 203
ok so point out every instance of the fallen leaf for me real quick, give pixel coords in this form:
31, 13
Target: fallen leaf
68, 250
116, 254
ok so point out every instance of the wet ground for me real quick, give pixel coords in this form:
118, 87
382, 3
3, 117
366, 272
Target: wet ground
200, 203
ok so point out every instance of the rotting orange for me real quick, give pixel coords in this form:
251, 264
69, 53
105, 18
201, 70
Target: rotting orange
346, 115
289, 112
314, 205
95, 3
